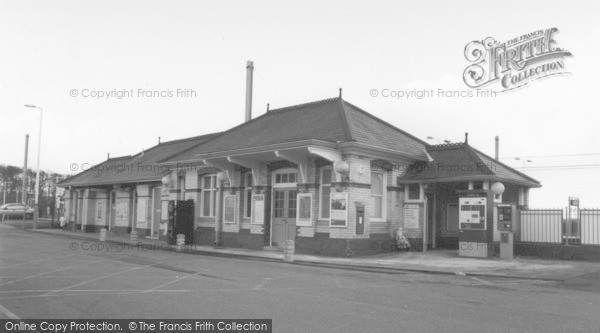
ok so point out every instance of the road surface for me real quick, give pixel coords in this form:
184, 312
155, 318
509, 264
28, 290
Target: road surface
45, 276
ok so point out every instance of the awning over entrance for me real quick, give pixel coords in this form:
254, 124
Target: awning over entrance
299, 156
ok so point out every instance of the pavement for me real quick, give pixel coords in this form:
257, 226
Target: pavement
433, 262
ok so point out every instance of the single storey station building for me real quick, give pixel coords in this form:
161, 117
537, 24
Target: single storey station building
326, 174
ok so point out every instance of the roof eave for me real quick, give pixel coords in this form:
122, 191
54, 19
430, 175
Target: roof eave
111, 182
369, 150
256, 150
470, 178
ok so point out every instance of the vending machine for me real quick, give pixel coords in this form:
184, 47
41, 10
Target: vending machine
474, 231
506, 226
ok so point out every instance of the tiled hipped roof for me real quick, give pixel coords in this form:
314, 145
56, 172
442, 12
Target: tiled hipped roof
141, 167
459, 161
331, 120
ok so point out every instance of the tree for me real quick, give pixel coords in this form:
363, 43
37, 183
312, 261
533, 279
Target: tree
11, 179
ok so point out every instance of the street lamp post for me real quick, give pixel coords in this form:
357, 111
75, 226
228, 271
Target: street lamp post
523, 160
438, 140
37, 176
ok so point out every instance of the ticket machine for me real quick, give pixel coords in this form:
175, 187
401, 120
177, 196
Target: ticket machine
475, 233
506, 226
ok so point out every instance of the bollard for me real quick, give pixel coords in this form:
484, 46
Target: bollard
103, 235
133, 237
288, 250
180, 242
36, 216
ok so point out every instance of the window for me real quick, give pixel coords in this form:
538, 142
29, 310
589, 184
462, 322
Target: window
100, 211
414, 192
247, 195
278, 203
292, 198
209, 195
285, 177
378, 195
324, 192
181, 186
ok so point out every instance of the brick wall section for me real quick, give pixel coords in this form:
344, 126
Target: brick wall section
311, 179
193, 191
68, 204
359, 174
511, 194
85, 217
357, 185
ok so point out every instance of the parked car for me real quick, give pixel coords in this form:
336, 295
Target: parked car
16, 210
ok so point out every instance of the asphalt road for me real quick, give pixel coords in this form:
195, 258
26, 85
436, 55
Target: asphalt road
44, 276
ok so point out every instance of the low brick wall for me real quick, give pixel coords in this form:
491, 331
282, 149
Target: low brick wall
204, 236
322, 244
93, 228
244, 239
142, 233
558, 251
121, 230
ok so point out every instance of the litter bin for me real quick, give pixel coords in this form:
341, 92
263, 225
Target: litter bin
288, 250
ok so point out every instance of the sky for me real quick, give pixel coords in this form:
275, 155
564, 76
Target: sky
63, 55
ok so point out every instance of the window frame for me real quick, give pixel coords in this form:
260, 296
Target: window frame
100, 208
181, 186
321, 185
212, 191
284, 171
407, 193
383, 217
247, 177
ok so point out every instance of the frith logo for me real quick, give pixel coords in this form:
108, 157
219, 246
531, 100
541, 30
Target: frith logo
515, 63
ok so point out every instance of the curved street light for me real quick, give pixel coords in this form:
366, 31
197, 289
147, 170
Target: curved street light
523, 160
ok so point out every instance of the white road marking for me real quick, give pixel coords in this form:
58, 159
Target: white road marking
482, 281
8, 313
262, 284
34, 261
99, 278
56, 270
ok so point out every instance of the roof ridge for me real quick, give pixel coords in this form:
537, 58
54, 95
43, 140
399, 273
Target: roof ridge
217, 135
116, 158
386, 123
303, 105
477, 158
443, 146
345, 123
184, 139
